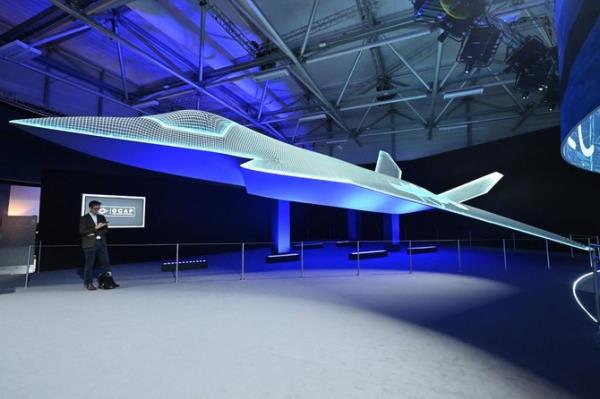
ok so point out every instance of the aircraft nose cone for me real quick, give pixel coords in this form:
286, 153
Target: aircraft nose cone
103, 126
65, 123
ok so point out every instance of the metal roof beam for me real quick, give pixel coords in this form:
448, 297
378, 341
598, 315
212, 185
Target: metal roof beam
410, 68
234, 108
39, 22
367, 15
215, 78
61, 36
434, 91
74, 84
348, 105
347, 81
156, 46
454, 123
70, 71
201, 40
316, 50
297, 69
53, 17
121, 61
311, 19
215, 82
318, 57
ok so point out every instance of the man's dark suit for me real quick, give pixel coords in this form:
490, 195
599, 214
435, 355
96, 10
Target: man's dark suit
93, 248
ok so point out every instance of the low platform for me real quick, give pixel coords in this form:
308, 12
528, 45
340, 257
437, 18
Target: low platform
342, 243
288, 257
190, 264
376, 253
309, 245
393, 247
421, 250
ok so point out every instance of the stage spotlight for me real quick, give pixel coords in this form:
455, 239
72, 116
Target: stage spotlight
525, 95
533, 63
433, 10
468, 69
479, 47
552, 94
530, 52
454, 17
456, 29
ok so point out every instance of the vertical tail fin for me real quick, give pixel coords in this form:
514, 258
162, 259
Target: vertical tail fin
387, 166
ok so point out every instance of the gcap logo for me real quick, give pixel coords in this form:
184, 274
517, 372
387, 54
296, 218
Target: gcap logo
117, 211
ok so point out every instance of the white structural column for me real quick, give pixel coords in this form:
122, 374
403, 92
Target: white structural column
280, 229
391, 229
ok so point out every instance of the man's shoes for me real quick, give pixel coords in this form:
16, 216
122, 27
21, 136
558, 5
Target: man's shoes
90, 287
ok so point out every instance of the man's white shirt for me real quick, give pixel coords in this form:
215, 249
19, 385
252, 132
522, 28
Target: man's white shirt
95, 219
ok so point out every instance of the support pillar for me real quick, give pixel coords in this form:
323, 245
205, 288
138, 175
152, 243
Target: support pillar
391, 231
280, 230
354, 224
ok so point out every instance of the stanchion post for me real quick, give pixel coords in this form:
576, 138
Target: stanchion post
358, 258
399, 249
470, 240
595, 275
504, 252
27, 266
302, 259
243, 274
176, 263
39, 258
591, 252
571, 238
410, 267
458, 252
547, 255
514, 242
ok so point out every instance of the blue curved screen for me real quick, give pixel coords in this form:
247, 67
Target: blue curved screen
578, 36
581, 147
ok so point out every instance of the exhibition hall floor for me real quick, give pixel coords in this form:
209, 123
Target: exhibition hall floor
388, 333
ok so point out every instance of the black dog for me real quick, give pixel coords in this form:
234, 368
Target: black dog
106, 281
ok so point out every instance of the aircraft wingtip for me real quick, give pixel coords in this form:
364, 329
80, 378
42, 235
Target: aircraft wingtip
25, 122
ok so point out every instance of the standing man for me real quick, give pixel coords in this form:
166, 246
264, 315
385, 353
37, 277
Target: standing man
93, 228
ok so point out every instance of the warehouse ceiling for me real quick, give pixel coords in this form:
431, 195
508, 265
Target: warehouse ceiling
343, 77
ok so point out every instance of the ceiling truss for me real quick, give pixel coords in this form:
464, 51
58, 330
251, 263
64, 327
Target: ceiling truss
409, 88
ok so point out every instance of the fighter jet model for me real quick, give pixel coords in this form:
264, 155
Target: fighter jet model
205, 146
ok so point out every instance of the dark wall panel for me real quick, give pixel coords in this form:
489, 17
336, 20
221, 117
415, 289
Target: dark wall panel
177, 210
538, 187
